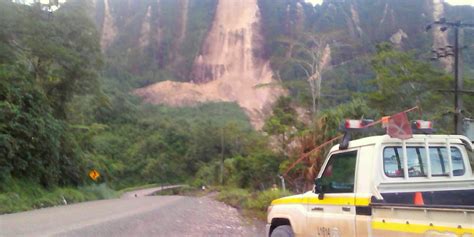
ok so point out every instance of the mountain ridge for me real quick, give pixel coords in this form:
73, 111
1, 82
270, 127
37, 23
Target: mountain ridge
167, 40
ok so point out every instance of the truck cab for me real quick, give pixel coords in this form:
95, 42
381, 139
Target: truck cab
383, 186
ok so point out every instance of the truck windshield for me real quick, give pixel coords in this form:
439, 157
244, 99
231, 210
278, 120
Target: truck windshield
417, 163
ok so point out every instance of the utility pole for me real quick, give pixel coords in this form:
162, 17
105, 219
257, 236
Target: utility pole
455, 51
458, 81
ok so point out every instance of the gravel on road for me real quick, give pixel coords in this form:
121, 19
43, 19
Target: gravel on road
142, 216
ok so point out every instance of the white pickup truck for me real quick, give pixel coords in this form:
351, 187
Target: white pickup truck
370, 189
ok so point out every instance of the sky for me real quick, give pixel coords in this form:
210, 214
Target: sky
47, 1
452, 2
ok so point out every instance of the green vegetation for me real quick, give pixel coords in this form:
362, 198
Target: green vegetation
24, 195
263, 199
254, 203
234, 197
50, 60
287, 25
164, 145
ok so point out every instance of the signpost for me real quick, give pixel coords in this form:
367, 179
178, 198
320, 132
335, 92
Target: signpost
94, 174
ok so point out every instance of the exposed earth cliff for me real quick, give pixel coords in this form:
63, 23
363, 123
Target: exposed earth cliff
184, 52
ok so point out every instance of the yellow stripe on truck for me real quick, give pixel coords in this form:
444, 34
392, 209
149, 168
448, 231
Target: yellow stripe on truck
288, 200
362, 201
326, 201
419, 228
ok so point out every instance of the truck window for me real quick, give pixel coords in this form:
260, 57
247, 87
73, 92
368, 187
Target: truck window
417, 163
338, 176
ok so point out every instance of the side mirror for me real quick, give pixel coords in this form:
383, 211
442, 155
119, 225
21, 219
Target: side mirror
318, 188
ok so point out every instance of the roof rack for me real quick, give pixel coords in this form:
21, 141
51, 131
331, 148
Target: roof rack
366, 125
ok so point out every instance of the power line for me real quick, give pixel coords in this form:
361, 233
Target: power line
456, 52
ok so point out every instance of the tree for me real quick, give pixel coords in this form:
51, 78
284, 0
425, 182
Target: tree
313, 59
402, 82
326, 126
33, 144
45, 61
64, 52
283, 123
306, 56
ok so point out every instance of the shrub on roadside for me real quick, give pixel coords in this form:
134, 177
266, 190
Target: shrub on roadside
48, 200
263, 199
23, 195
12, 202
71, 195
252, 204
234, 197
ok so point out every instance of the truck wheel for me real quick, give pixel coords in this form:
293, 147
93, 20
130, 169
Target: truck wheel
283, 231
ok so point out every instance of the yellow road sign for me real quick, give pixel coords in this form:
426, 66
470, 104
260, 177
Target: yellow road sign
94, 174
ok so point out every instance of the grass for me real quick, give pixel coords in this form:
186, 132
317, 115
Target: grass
251, 204
21, 195
234, 197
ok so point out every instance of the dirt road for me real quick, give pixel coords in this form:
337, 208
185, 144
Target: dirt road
142, 216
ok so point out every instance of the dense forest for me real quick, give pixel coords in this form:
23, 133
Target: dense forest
66, 105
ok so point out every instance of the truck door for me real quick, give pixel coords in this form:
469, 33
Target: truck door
334, 213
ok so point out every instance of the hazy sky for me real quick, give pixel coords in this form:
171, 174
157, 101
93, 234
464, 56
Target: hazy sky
452, 2
47, 1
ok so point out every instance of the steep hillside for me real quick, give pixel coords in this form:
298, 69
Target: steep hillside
221, 48
227, 68
352, 28
153, 40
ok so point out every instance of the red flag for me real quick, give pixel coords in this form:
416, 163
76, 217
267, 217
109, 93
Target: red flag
399, 127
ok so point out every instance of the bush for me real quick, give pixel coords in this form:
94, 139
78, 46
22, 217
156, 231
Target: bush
252, 204
49, 200
71, 195
234, 197
241, 198
23, 195
263, 199
12, 202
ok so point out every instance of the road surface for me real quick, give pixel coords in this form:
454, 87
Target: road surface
141, 216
